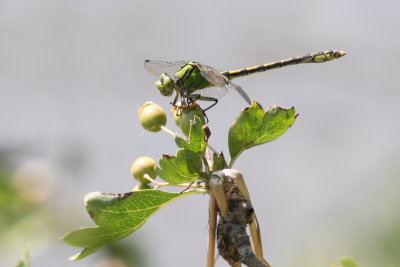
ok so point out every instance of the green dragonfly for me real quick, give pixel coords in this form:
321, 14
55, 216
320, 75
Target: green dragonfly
194, 81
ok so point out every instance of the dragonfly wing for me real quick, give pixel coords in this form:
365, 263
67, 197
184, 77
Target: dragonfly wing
239, 89
219, 80
212, 75
158, 67
213, 92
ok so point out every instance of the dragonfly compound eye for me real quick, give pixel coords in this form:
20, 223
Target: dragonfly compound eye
165, 85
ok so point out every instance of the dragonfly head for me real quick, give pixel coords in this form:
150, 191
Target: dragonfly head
165, 85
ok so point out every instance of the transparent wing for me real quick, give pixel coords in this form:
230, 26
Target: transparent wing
213, 92
158, 67
220, 81
212, 75
239, 89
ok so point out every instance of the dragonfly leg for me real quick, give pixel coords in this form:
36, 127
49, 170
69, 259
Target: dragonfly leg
176, 98
194, 97
209, 99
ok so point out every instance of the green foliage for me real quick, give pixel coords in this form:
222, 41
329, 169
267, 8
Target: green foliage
196, 142
13, 207
219, 162
24, 261
347, 262
117, 216
185, 167
254, 127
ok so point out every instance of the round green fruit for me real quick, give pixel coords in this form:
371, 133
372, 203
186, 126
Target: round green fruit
184, 116
140, 187
152, 117
142, 166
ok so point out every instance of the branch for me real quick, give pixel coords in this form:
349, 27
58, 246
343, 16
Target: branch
233, 242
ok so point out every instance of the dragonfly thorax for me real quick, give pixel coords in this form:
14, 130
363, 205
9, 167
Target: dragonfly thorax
166, 85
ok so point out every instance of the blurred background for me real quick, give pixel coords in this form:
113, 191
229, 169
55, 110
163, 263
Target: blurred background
72, 80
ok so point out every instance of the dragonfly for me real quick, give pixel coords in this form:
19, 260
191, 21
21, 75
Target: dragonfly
193, 81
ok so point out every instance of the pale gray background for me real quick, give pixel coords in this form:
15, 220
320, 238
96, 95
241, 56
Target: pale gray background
72, 79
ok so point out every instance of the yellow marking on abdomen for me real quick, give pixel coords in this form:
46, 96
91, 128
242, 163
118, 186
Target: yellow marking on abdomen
234, 72
252, 68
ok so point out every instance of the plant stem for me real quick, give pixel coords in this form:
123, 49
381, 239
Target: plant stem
158, 184
168, 131
211, 230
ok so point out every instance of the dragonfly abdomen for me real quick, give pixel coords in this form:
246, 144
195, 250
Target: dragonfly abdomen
309, 58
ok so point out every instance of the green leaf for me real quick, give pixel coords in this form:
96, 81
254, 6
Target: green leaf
219, 162
254, 127
185, 167
196, 142
348, 262
117, 216
24, 261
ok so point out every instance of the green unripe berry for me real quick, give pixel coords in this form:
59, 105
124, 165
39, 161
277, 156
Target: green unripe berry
184, 116
139, 187
175, 111
152, 117
142, 166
